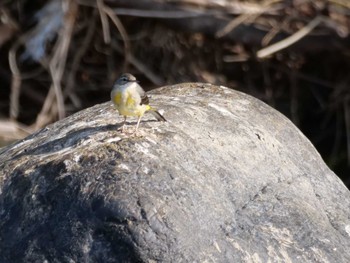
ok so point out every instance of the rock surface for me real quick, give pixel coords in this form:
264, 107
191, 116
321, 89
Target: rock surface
226, 179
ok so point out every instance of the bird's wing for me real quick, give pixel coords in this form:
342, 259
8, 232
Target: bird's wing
143, 95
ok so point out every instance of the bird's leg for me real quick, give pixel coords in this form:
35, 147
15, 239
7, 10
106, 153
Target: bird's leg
137, 125
122, 129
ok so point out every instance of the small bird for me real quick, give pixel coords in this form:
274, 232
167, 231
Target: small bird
130, 99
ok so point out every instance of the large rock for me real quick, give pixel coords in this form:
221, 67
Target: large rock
226, 179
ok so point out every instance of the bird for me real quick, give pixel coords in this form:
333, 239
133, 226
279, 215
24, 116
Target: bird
130, 99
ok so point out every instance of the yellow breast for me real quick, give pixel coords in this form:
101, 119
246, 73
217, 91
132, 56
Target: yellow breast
126, 104
117, 99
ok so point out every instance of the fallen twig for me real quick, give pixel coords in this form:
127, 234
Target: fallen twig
109, 11
85, 43
15, 83
58, 61
245, 17
104, 21
12, 130
262, 53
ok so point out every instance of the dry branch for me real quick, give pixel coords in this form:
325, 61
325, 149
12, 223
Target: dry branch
289, 40
265, 7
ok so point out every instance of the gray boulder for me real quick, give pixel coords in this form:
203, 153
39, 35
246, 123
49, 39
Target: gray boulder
226, 179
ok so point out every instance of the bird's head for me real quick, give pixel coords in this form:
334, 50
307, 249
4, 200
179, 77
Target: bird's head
125, 78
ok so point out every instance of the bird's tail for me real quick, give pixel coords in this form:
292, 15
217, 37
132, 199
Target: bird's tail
156, 114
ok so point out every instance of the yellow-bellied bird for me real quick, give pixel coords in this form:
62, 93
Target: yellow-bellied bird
130, 99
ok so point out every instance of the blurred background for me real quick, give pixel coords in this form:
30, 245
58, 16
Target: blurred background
60, 56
